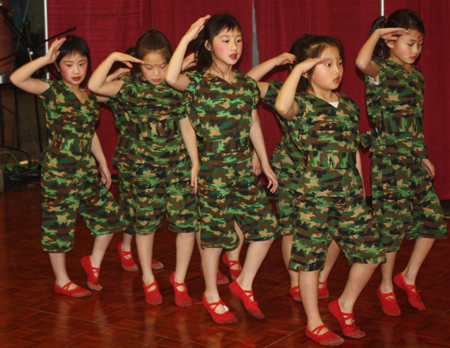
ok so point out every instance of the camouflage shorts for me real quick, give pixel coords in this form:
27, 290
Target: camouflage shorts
284, 170
346, 219
63, 197
404, 201
125, 177
160, 190
232, 192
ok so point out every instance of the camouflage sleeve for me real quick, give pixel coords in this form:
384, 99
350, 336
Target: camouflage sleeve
373, 93
272, 93
195, 78
122, 97
368, 138
256, 96
50, 92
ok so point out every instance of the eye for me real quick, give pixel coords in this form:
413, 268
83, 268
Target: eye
163, 66
410, 45
327, 64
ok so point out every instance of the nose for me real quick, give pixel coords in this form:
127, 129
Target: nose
233, 45
156, 71
76, 69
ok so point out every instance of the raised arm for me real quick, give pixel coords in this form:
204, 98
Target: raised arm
22, 76
285, 104
364, 60
99, 83
258, 72
256, 136
173, 74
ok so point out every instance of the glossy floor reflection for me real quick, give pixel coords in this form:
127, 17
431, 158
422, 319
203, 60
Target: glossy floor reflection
32, 315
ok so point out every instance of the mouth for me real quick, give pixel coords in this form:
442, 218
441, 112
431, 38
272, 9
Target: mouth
233, 56
76, 78
337, 80
156, 80
414, 58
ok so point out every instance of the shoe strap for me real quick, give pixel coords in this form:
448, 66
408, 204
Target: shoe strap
146, 287
66, 287
348, 316
249, 294
324, 283
318, 329
295, 288
232, 263
214, 305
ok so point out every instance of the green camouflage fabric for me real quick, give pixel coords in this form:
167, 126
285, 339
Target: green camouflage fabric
403, 198
161, 165
221, 114
70, 181
285, 160
122, 159
404, 202
328, 193
395, 106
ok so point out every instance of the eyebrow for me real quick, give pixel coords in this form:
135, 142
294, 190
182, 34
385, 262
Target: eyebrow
71, 61
226, 35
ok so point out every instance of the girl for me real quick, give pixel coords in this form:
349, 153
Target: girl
329, 199
404, 200
283, 159
69, 176
162, 177
222, 108
122, 159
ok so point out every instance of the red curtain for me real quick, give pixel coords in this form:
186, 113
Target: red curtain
115, 25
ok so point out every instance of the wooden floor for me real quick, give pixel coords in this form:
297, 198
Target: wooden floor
32, 315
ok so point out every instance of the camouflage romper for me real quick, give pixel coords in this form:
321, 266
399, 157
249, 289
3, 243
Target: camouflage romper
69, 176
221, 114
161, 164
328, 193
285, 159
122, 160
404, 200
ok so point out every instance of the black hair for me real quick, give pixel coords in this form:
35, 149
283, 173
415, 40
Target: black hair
312, 46
74, 44
403, 18
215, 25
136, 67
153, 41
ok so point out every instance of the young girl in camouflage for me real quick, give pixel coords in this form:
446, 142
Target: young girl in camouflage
404, 200
162, 179
328, 190
69, 177
123, 160
222, 105
285, 159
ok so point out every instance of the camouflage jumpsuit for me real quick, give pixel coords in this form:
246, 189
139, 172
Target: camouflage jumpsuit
328, 193
122, 159
161, 165
285, 159
404, 200
69, 176
221, 114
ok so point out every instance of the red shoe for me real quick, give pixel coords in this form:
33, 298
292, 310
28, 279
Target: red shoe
411, 291
126, 258
224, 318
389, 303
349, 330
234, 272
295, 293
244, 295
152, 297
323, 292
329, 338
77, 292
182, 299
222, 279
92, 281
155, 263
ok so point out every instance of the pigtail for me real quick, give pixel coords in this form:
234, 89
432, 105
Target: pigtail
380, 48
202, 54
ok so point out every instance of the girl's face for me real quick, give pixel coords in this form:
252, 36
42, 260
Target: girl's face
73, 69
328, 76
154, 67
407, 48
227, 47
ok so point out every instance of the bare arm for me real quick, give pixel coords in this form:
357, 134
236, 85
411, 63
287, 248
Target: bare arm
22, 76
285, 104
173, 74
98, 82
364, 60
258, 72
190, 140
96, 149
256, 136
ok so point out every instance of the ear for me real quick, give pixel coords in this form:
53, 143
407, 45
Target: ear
389, 43
57, 67
208, 45
305, 75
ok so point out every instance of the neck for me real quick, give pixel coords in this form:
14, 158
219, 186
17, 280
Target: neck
327, 95
222, 70
73, 88
408, 67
